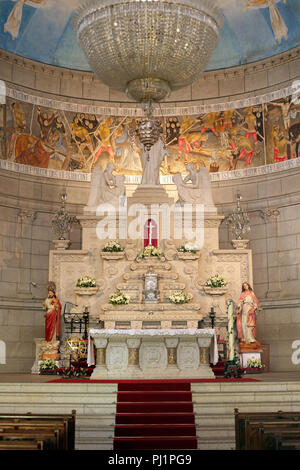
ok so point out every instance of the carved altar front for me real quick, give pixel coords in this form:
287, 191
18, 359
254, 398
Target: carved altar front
150, 354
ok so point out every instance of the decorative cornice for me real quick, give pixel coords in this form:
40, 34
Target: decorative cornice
218, 74
274, 168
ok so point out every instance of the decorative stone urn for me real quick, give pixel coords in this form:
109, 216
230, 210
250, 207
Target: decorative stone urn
61, 244
187, 256
240, 244
87, 291
112, 255
215, 290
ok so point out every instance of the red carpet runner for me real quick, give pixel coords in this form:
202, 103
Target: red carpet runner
154, 416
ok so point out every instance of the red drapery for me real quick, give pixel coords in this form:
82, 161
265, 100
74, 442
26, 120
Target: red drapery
150, 233
52, 320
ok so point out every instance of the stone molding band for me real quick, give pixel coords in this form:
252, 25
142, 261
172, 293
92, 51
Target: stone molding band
136, 179
138, 112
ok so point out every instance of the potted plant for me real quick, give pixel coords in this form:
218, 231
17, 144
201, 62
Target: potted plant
180, 297
215, 285
73, 372
86, 285
48, 367
254, 366
119, 298
189, 251
112, 250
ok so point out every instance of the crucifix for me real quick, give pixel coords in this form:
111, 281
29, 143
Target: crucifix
150, 233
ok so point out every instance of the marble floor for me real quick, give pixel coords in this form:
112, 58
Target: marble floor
265, 377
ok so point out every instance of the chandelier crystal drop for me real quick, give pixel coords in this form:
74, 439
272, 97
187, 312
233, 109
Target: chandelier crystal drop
147, 48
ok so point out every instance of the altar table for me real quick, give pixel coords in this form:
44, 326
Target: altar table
152, 353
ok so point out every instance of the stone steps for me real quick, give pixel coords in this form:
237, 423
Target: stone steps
214, 407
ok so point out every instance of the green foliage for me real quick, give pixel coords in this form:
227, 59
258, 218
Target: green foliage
233, 369
74, 372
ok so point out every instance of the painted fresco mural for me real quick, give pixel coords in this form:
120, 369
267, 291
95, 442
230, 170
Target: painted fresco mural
253, 30
221, 141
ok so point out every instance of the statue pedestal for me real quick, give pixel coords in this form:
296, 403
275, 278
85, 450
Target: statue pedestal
150, 354
149, 194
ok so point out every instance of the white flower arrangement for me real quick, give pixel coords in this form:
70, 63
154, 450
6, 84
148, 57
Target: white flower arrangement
150, 250
86, 281
216, 281
48, 364
119, 298
113, 246
180, 297
188, 248
254, 363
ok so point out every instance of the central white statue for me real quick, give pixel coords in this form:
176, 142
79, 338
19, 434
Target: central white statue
151, 163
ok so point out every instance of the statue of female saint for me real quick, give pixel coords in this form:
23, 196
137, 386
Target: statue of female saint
52, 316
246, 317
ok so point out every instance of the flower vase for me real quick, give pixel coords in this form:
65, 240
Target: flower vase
112, 255
215, 290
187, 256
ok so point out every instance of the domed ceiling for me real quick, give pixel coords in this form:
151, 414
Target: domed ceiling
253, 30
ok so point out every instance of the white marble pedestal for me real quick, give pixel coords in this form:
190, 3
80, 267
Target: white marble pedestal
153, 354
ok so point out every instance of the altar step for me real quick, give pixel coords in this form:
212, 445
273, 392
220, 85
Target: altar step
154, 416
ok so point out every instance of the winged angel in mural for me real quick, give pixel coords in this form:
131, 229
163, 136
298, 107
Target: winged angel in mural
14, 19
13, 22
279, 27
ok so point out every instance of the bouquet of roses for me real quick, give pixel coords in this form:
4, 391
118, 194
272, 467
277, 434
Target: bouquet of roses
48, 364
179, 297
254, 363
86, 281
119, 298
188, 248
113, 246
215, 281
151, 250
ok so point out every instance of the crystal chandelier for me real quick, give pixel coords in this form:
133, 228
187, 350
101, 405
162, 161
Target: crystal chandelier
148, 48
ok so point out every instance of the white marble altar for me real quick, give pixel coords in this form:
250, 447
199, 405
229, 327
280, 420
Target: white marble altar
150, 354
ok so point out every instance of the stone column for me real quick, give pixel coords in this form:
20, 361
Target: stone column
204, 345
133, 345
24, 233
100, 344
171, 344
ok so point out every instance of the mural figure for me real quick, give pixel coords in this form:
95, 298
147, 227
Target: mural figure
279, 27
13, 22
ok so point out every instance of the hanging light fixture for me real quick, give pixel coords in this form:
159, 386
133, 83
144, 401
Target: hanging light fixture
148, 48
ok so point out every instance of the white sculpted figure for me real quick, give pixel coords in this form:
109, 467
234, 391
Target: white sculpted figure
105, 187
151, 163
195, 188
